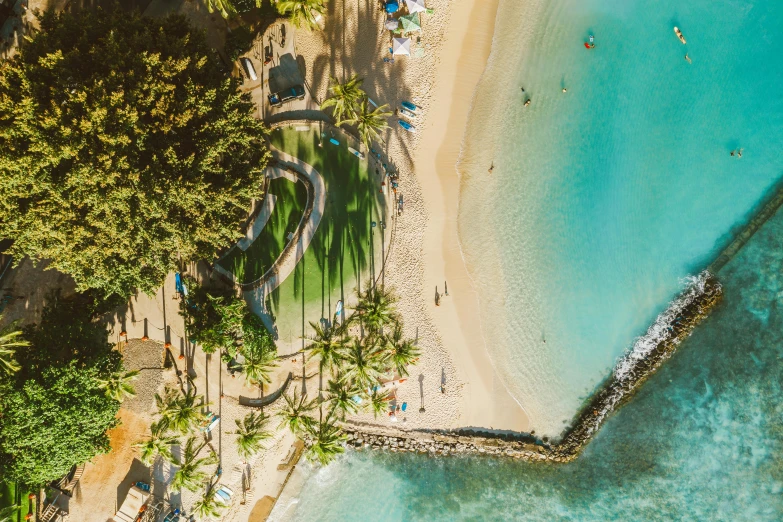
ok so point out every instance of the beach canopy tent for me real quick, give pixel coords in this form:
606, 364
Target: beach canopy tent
410, 23
392, 6
392, 24
401, 46
415, 6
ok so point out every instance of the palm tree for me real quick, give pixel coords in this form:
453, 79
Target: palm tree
341, 394
179, 412
190, 474
226, 7
251, 431
379, 402
344, 98
402, 352
159, 444
369, 122
293, 413
328, 344
9, 342
118, 386
9, 513
375, 309
302, 13
325, 440
364, 363
207, 506
258, 365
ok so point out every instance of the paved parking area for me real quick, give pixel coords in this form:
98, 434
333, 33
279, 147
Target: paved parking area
282, 70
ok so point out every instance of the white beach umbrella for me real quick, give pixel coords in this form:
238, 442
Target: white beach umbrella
401, 46
415, 6
392, 24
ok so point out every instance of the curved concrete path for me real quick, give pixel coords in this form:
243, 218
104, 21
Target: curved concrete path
286, 263
258, 224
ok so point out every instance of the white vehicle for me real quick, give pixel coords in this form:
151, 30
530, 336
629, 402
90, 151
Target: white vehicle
247, 65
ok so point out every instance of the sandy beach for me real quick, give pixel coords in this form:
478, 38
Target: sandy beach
485, 401
440, 79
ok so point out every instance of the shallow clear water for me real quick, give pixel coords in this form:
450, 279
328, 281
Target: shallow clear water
604, 198
702, 441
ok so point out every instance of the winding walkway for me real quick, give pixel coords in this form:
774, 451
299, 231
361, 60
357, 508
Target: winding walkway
294, 251
267, 207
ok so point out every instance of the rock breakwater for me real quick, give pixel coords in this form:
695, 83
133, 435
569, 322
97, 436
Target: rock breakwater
692, 306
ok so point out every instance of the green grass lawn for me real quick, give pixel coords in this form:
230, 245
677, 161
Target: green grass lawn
11, 494
251, 264
345, 248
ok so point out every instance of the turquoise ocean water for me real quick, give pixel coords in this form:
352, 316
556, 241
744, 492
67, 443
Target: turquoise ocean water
702, 441
602, 200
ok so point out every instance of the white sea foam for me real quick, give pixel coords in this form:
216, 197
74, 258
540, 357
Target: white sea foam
662, 328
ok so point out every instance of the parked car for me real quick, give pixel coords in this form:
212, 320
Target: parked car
279, 98
247, 65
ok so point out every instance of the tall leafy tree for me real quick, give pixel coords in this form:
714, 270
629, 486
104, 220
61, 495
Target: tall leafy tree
226, 8
293, 414
258, 365
375, 309
9, 513
10, 340
302, 13
180, 412
328, 343
341, 397
251, 433
364, 363
207, 507
158, 444
343, 98
54, 422
402, 351
379, 402
190, 474
123, 149
369, 121
54, 413
118, 385
325, 440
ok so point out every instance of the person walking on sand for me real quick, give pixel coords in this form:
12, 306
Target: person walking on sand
491, 168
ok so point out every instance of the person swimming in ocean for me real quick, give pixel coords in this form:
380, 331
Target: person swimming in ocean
527, 102
688, 58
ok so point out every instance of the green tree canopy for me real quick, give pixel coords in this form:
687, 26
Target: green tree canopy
123, 148
55, 413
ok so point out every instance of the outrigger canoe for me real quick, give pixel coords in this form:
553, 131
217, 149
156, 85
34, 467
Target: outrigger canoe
679, 34
407, 126
408, 105
407, 113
